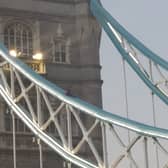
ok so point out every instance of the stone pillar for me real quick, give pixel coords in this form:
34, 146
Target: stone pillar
36, 37
68, 44
2, 117
1, 30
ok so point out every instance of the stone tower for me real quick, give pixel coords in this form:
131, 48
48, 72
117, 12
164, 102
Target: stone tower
69, 38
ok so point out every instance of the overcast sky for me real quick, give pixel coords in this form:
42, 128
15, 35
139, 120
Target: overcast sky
148, 21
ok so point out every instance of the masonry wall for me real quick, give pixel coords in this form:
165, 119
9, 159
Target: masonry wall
48, 19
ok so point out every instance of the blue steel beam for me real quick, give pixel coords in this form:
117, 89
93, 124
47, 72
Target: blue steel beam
102, 18
85, 107
97, 8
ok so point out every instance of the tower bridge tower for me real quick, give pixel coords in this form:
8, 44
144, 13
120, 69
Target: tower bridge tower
60, 40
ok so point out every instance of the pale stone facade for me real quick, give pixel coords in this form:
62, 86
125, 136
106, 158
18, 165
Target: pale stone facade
72, 64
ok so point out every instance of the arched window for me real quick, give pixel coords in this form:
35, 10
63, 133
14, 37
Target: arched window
59, 54
19, 37
60, 47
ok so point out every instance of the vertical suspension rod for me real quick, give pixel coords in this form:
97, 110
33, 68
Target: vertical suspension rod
14, 139
153, 109
39, 114
69, 121
146, 160
12, 83
105, 153
41, 152
126, 99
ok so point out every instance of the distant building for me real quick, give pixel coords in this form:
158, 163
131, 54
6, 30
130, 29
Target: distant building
69, 38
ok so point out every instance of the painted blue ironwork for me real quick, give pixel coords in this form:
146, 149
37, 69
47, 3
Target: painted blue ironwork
97, 9
80, 104
100, 115
105, 19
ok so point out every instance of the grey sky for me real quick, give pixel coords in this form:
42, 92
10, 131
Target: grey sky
147, 20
